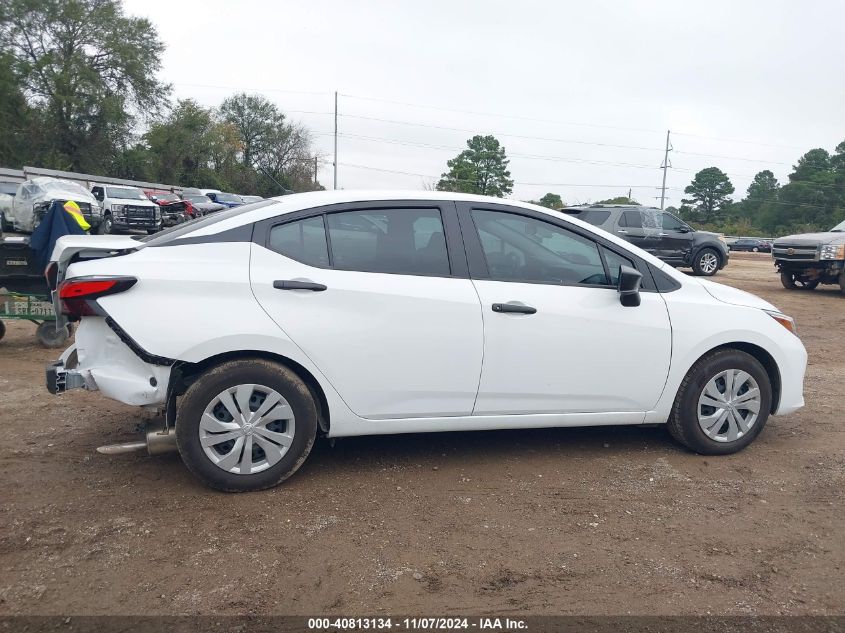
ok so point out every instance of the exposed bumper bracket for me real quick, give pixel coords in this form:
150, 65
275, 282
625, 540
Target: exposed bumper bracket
60, 379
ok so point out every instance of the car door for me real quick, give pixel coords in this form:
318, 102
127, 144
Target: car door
378, 297
674, 241
630, 227
556, 337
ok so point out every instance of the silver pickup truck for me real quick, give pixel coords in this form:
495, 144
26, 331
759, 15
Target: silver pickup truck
807, 260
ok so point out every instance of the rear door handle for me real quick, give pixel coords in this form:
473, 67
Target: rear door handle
514, 308
288, 284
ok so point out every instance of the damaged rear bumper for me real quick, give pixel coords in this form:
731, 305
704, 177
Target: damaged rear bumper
101, 361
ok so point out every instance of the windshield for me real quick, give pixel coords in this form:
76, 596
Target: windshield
63, 186
125, 193
839, 228
167, 197
229, 197
197, 199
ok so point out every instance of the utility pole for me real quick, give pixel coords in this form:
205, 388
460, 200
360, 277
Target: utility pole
629, 195
315, 172
665, 167
335, 139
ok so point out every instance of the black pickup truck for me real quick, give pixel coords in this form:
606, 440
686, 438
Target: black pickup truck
807, 260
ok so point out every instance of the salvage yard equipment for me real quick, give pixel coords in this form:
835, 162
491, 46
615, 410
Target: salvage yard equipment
24, 294
35, 308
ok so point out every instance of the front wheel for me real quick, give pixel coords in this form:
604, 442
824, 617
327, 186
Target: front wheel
706, 262
106, 225
791, 282
246, 425
723, 403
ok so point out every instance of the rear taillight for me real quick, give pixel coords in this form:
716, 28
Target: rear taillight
79, 296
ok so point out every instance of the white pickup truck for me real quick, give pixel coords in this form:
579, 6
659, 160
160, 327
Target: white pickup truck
125, 208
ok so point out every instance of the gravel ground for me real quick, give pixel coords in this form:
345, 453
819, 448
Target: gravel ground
589, 521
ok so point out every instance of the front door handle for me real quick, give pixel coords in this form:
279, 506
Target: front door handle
622, 232
289, 284
514, 308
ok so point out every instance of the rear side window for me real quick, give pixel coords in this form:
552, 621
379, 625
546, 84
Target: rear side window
594, 216
304, 241
632, 219
404, 241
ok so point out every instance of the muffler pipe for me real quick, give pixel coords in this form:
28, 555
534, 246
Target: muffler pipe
158, 441
119, 449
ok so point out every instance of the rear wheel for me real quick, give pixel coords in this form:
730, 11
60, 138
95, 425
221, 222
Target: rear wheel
246, 425
791, 282
723, 403
706, 262
49, 336
755, 250
2, 330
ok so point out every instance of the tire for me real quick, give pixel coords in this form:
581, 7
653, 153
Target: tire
106, 225
711, 373
789, 282
220, 464
842, 282
49, 336
755, 250
707, 262
2, 330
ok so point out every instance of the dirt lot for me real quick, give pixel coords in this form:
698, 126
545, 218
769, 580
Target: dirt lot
591, 521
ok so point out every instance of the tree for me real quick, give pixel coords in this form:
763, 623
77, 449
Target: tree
618, 200
183, 146
482, 168
550, 201
256, 119
709, 192
763, 188
90, 68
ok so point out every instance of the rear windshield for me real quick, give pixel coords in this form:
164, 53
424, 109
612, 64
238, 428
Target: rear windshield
175, 232
9, 187
228, 197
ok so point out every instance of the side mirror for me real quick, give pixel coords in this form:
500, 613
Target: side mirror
629, 286
685, 229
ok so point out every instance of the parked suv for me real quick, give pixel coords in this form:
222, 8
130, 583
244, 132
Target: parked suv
126, 207
804, 261
358, 313
659, 233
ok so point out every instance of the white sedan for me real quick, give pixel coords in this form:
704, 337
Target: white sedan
357, 313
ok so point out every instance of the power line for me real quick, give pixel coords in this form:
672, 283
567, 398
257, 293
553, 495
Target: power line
528, 184
498, 115
585, 161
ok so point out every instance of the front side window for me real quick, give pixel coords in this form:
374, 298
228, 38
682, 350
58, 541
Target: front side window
671, 223
304, 241
519, 248
614, 261
404, 241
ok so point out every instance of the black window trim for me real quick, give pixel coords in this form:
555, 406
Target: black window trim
478, 263
458, 264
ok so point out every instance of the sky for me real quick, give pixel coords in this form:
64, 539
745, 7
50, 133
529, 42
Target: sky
580, 94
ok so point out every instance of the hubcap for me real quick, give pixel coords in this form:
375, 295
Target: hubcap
246, 429
729, 405
709, 262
